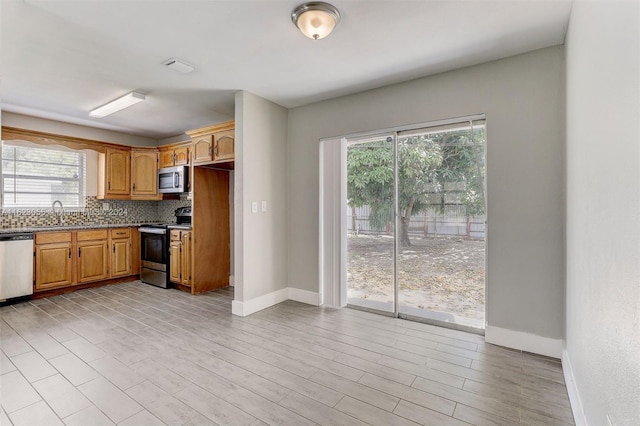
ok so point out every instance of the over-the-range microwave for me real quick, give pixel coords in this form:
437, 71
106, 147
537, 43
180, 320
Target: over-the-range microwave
172, 180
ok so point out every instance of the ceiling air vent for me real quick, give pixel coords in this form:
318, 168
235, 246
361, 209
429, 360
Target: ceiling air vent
178, 65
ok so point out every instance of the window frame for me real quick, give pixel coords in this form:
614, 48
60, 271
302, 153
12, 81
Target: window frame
20, 144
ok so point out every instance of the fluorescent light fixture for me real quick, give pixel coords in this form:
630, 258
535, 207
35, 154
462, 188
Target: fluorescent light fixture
178, 65
116, 105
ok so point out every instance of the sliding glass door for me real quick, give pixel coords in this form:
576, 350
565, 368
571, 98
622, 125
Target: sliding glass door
371, 236
416, 223
441, 251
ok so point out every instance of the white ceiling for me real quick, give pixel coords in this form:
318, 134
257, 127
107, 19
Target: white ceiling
61, 59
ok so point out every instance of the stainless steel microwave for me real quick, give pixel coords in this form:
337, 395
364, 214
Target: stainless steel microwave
172, 180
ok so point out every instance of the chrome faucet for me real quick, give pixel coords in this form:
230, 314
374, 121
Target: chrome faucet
59, 213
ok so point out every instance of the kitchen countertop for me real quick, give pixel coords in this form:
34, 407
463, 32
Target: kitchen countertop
66, 228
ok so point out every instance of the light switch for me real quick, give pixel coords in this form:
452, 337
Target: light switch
254, 207
264, 206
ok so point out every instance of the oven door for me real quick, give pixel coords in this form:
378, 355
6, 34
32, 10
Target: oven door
153, 248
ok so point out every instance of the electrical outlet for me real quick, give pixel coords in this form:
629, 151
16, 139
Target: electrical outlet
254, 207
264, 206
105, 206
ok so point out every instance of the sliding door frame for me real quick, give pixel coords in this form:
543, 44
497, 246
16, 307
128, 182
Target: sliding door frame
333, 217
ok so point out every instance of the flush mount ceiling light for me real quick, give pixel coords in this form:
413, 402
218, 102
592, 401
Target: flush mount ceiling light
178, 65
116, 105
316, 20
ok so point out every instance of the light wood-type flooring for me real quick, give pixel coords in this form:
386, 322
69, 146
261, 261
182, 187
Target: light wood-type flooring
134, 354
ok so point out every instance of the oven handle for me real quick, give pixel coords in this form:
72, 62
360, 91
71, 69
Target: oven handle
153, 231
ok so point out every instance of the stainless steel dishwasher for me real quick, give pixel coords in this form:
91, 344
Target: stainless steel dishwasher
16, 266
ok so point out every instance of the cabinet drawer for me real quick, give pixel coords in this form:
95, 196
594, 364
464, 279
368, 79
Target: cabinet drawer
53, 237
175, 235
120, 233
92, 234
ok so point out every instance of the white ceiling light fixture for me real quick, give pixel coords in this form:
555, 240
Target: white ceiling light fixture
116, 105
178, 65
316, 20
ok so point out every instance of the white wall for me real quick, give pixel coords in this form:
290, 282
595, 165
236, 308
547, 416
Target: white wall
58, 127
260, 175
603, 211
523, 99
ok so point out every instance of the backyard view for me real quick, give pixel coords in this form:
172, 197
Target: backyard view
440, 251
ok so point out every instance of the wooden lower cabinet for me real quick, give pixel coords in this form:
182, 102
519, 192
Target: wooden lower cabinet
175, 261
53, 265
121, 253
67, 258
186, 259
180, 257
93, 263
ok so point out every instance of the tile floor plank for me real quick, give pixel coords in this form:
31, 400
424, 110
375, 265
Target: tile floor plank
16, 392
33, 366
61, 395
135, 354
36, 414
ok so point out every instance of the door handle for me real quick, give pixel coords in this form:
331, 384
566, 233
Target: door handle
79, 251
69, 252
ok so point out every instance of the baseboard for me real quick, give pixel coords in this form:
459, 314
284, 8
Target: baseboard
524, 341
572, 390
304, 296
259, 303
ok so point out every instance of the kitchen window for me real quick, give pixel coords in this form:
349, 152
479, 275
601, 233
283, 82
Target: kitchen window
35, 176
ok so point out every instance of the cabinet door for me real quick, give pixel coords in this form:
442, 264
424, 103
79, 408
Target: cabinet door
93, 263
202, 149
175, 261
181, 156
121, 257
167, 158
144, 167
186, 258
224, 147
53, 266
118, 172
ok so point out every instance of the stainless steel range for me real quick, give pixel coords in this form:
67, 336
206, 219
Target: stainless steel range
154, 249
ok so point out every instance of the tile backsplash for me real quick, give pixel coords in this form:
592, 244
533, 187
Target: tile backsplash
119, 211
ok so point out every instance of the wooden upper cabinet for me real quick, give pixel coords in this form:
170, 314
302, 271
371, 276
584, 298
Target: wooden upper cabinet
144, 171
224, 146
166, 159
202, 149
172, 155
114, 174
181, 156
213, 144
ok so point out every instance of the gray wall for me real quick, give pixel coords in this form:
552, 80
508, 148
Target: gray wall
260, 175
603, 189
67, 129
523, 99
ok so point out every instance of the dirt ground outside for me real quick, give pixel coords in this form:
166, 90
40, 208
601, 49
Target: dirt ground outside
437, 273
